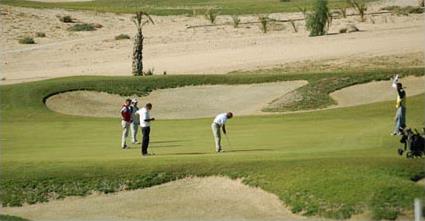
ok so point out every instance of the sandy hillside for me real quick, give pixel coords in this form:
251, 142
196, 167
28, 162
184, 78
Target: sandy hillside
376, 91
172, 47
211, 198
178, 103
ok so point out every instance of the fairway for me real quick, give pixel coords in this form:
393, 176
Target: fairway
181, 7
332, 163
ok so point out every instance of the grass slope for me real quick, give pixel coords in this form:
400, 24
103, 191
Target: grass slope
332, 163
180, 7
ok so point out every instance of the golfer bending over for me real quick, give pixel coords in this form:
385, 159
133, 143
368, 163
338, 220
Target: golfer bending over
145, 124
134, 126
219, 122
125, 122
400, 117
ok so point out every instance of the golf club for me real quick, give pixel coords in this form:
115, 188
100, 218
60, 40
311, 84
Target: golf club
228, 142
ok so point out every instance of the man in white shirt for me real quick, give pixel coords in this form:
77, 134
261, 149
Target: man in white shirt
220, 122
145, 123
134, 126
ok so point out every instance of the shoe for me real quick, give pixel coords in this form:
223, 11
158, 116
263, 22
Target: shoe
125, 147
220, 151
393, 134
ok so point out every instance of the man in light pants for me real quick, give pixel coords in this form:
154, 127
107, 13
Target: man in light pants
125, 122
220, 122
134, 126
400, 117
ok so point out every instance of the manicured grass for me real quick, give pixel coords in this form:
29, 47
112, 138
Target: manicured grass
180, 7
332, 163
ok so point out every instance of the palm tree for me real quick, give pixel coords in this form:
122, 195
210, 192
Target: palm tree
139, 21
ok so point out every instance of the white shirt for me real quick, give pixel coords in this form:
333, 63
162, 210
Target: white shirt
144, 114
221, 119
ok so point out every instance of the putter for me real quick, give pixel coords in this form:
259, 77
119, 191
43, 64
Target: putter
228, 142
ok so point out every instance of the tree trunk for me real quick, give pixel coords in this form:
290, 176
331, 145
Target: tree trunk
138, 54
421, 3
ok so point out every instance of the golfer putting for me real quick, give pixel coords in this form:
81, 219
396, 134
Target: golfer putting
220, 123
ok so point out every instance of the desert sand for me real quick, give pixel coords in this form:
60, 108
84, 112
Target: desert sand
172, 47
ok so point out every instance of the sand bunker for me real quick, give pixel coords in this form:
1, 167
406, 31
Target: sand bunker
178, 103
376, 91
210, 198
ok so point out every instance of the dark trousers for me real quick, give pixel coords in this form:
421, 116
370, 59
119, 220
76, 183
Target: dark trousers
145, 141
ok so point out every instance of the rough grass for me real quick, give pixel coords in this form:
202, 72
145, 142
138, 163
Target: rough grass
329, 163
180, 7
11, 218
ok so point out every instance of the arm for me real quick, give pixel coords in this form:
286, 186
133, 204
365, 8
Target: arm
395, 80
146, 119
224, 129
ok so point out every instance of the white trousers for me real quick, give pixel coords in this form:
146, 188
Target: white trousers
125, 126
134, 129
217, 136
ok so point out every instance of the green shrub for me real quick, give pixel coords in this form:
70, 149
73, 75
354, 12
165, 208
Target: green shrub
82, 27
66, 19
122, 37
212, 15
26, 40
40, 34
264, 20
236, 21
318, 21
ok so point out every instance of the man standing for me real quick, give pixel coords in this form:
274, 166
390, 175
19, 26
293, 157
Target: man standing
145, 123
134, 126
125, 122
220, 122
400, 117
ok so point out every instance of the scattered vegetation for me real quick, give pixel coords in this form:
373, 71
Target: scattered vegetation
360, 6
141, 19
398, 10
318, 21
26, 40
83, 27
40, 34
11, 218
212, 14
236, 20
122, 37
66, 19
264, 20
151, 71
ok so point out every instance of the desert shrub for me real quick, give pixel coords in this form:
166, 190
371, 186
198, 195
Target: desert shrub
26, 40
212, 15
66, 19
360, 6
264, 20
285, 0
82, 27
11, 218
236, 21
151, 71
40, 34
317, 21
122, 37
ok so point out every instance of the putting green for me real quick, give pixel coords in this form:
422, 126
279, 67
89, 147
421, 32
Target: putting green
332, 163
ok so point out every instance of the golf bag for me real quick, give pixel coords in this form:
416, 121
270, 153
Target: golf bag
414, 143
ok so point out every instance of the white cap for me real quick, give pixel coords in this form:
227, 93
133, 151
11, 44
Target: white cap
134, 100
